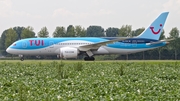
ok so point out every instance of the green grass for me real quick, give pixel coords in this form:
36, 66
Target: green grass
75, 61
80, 80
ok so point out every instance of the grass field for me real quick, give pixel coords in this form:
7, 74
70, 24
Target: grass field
75, 61
99, 80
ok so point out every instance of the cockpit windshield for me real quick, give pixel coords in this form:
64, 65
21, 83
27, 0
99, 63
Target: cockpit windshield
14, 44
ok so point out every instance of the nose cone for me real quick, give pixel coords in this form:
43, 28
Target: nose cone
8, 50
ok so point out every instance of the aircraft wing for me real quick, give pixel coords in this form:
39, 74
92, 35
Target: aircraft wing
153, 43
99, 44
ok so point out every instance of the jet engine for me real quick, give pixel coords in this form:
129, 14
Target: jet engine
68, 52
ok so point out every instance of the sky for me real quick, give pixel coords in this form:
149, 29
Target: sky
104, 13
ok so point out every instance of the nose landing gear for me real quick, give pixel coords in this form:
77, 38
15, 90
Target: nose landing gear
21, 57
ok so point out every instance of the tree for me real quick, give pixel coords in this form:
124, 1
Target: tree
43, 32
162, 35
0, 46
79, 31
59, 32
11, 36
174, 33
161, 48
27, 33
2, 42
137, 31
125, 31
70, 31
95, 31
112, 32
18, 31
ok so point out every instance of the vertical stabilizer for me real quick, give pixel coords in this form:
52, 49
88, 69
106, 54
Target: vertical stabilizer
155, 29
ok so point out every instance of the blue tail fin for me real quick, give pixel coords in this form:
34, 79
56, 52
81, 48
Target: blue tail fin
155, 29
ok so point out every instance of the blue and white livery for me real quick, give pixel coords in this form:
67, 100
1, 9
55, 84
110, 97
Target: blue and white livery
71, 47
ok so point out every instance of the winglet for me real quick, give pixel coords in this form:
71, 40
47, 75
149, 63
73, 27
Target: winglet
155, 29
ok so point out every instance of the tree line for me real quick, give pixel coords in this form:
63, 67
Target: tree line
171, 51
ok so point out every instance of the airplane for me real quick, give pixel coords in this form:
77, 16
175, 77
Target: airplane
72, 47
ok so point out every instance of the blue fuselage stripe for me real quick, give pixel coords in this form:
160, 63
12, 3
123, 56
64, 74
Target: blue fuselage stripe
39, 43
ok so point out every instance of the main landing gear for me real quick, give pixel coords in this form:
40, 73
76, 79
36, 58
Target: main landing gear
89, 58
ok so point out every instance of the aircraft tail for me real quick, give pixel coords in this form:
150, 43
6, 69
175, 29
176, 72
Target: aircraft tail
155, 29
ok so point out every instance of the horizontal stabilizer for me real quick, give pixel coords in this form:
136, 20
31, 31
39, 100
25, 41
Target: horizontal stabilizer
158, 42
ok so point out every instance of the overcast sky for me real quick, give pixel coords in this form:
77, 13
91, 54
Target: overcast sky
105, 13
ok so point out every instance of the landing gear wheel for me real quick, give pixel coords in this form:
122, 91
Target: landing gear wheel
92, 58
85, 58
22, 58
89, 58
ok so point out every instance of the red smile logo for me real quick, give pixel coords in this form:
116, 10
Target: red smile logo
154, 32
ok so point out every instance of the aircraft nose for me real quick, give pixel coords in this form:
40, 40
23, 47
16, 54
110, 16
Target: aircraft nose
8, 50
